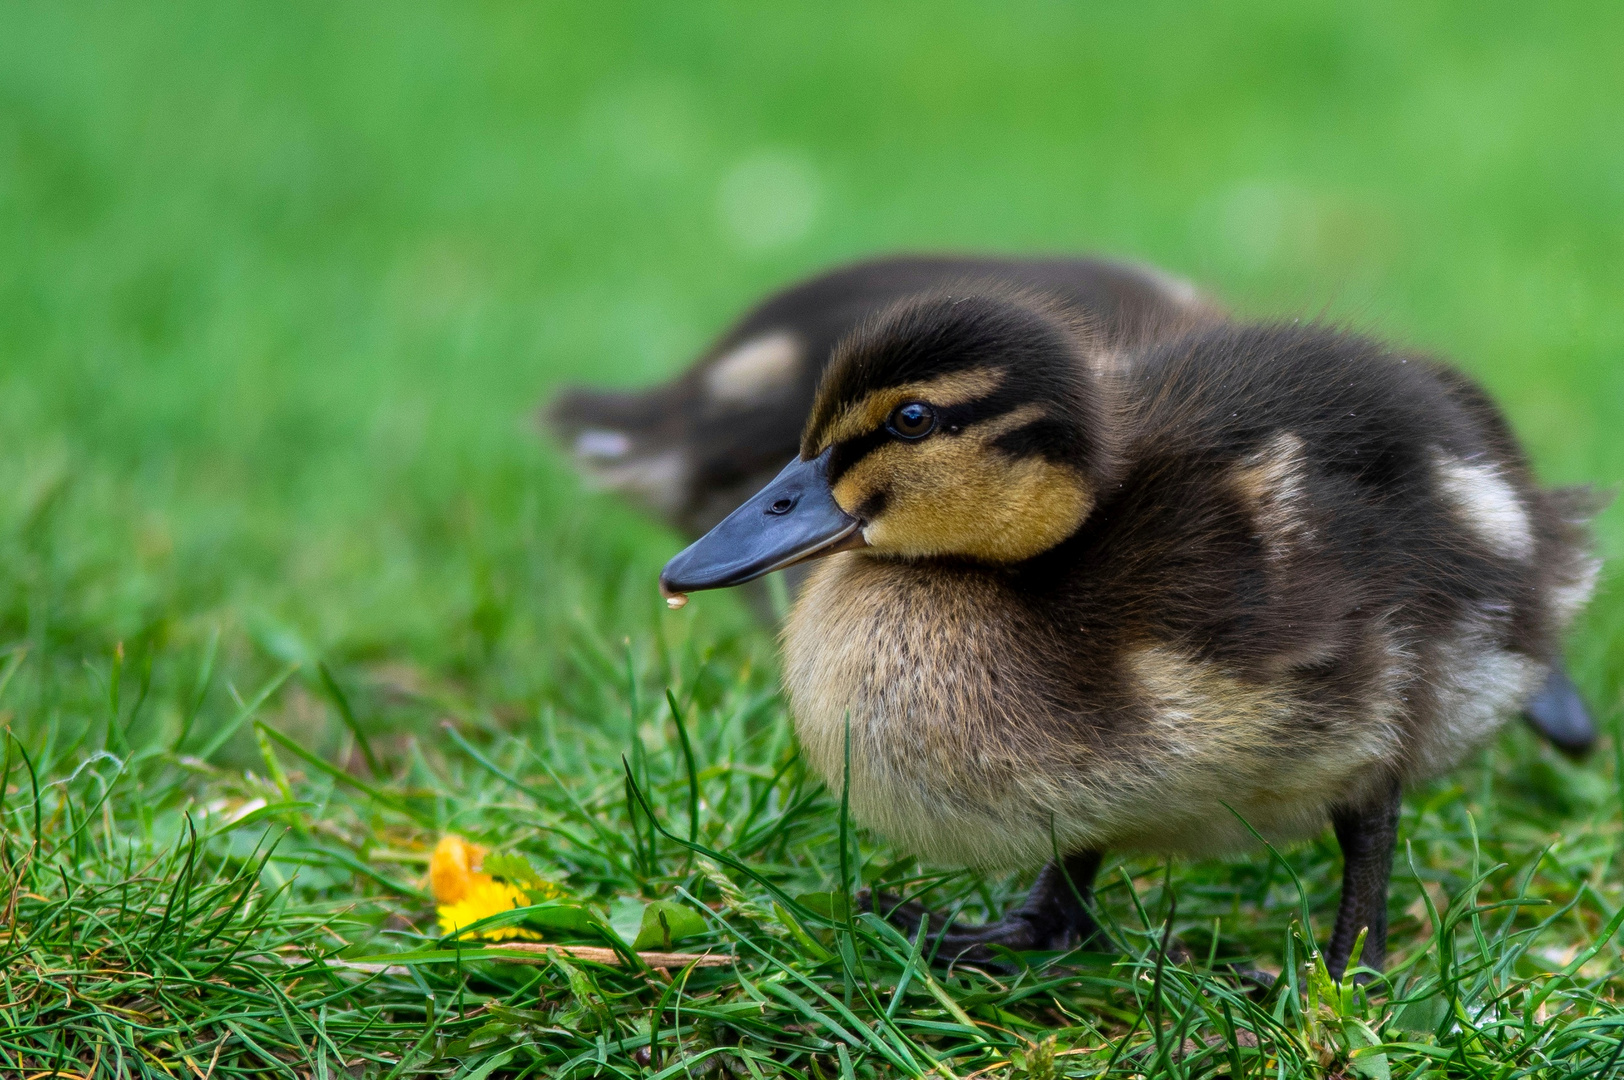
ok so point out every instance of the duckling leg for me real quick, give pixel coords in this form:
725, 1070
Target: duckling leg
1367, 835
1053, 917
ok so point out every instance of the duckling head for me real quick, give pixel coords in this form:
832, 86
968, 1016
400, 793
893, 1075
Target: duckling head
973, 428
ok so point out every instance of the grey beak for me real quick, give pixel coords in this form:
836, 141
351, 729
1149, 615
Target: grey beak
792, 519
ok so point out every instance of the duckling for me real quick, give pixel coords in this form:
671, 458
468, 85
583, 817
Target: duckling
695, 448
1247, 577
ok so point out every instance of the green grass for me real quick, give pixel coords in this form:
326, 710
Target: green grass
279, 288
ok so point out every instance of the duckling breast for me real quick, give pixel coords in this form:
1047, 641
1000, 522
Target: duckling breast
902, 662
974, 739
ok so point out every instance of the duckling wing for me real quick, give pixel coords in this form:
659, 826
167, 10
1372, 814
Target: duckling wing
1351, 529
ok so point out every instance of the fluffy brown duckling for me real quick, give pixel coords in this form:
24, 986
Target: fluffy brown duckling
695, 448
1082, 597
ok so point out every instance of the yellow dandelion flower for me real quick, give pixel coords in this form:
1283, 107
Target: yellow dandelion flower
452, 868
483, 897
466, 895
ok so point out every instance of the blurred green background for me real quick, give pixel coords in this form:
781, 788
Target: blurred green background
281, 285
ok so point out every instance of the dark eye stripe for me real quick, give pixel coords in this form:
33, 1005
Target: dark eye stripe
949, 419
849, 453
1044, 437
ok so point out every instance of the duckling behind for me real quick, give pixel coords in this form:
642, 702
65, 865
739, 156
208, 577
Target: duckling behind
1260, 572
695, 448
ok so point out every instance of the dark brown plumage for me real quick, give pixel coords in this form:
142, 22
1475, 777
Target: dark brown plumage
1120, 592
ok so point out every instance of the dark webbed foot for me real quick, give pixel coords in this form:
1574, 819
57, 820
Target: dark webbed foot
1367, 834
1052, 918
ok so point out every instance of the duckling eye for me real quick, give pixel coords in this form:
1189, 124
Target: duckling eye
914, 420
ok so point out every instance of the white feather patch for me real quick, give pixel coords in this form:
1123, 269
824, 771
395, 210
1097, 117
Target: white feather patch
1475, 686
1487, 504
754, 370
602, 444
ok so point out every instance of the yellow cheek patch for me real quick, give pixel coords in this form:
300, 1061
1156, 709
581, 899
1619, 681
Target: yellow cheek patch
958, 495
862, 417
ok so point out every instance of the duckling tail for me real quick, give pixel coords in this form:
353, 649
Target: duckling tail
1559, 713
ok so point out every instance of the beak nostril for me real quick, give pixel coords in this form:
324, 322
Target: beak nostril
782, 506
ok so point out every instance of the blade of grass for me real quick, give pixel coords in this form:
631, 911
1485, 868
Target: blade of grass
688, 760
377, 794
244, 714
342, 703
200, 690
